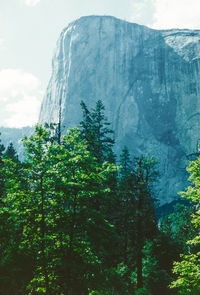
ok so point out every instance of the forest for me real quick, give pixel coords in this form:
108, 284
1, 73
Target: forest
75, 219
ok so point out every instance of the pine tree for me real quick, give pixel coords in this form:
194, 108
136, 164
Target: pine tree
97, 134
126, 205
146, 225
95, 130
125, 162
15, 264
11, 153
70, 241
85, 227
87, 132
2, 178
137, 222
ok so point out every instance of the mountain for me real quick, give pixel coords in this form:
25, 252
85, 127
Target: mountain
148, 81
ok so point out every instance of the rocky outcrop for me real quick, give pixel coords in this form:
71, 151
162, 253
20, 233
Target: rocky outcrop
148, 81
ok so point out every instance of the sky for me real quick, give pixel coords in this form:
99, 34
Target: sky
29, 30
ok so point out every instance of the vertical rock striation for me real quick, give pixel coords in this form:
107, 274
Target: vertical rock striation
148, 81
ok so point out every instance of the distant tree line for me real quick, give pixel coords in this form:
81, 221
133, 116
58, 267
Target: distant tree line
76, 221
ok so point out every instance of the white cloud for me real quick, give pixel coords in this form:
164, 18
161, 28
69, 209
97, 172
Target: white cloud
31, 2
142, 11
20, 98
177, 14
167, 14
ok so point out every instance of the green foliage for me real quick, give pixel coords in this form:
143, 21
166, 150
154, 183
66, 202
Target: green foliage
11, 152
95, 130
72, 222
157, 264
142, 291
135, 222
2, 179
188, 269
179, 227
58, 202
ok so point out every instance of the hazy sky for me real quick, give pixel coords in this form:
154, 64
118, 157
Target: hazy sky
29, 30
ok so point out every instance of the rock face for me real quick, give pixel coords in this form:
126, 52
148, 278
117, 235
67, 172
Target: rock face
148, 80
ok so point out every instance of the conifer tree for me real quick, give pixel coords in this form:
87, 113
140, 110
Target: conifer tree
137, 222
126, 204
97, 134
87, 132
70, 241
2, 178
95, 130
146, 225
11, 152
15, 265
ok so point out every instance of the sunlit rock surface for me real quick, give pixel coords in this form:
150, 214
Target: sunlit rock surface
148, 80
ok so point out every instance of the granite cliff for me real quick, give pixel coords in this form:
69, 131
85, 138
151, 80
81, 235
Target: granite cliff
148, 81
